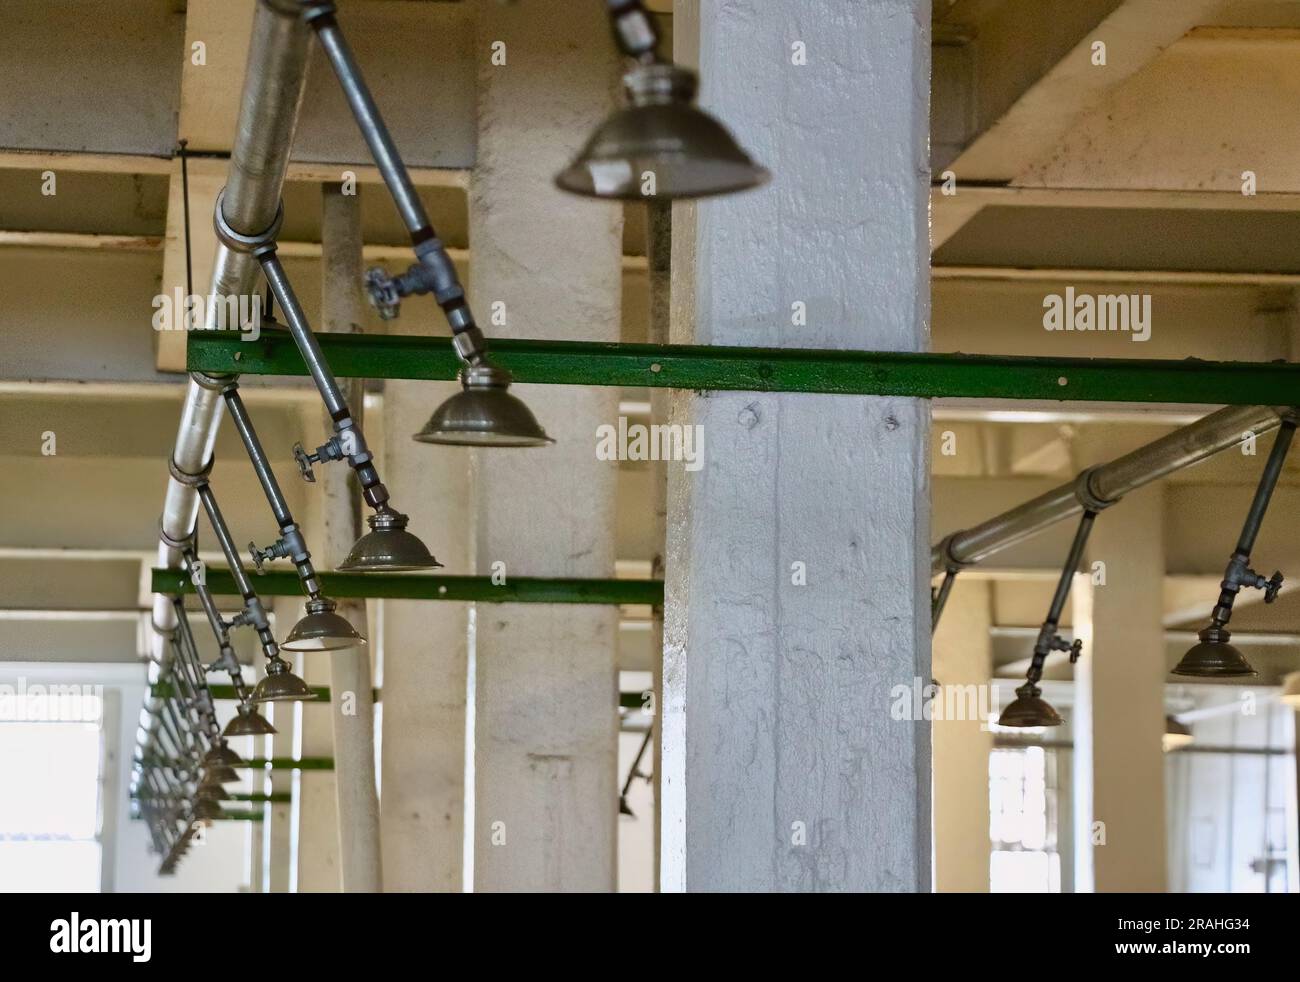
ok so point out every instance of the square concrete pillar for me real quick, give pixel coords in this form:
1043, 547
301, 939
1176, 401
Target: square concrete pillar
798, 556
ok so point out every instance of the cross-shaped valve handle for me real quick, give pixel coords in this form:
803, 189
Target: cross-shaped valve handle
1271, 587
304, 461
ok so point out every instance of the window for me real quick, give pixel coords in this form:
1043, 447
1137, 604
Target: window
50, 754
1022, 822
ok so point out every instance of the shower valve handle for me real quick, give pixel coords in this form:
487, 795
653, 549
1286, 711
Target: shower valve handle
1271, 586
304, 461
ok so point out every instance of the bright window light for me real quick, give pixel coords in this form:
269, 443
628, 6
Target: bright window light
50, 811
1022, 822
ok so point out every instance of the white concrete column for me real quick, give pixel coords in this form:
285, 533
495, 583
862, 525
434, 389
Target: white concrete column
353, 708
963, 665
1119, 714
546, 680
424, 647
317, 801
782, 766
659, 255
279, 834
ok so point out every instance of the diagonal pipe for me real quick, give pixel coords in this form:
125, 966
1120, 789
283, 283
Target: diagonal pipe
1099, 487
250, 204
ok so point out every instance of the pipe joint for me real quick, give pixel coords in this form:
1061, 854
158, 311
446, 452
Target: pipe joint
290, 545
1239, 574
1087, 497
189, 480
951, 564
214, 383
180, 545
633, 29
434, 273
242, 242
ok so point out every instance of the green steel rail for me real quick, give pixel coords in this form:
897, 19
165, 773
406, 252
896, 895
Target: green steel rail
276, 797
260, 763
923, 375
239, 815
402, 586
228, 815
289, 764
163, 690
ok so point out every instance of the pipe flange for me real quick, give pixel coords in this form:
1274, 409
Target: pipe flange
238, 241
1083, 492
166, 632
214, 383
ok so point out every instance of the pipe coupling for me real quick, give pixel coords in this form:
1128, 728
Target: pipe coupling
1085, 495
238, 241
189, 480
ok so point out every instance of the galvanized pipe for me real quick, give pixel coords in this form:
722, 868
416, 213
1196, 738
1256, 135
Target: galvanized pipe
1103, 485
291, 545
259, 159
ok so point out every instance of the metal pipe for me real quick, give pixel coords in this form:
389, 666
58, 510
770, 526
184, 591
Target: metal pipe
1238, 573
220, 629
371, 123
1048, 640
291, 544
273, 86
253, 609
261, 465
1264, 492
1101, 486
435, 272
352, 443
940, 599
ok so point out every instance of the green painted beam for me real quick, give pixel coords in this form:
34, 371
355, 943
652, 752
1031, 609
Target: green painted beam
403, 586
275, 763
163, 690
239, 815
289, 763
278, 797
924, 375
229, 815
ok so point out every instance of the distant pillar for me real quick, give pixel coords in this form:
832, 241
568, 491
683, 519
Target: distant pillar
963, 665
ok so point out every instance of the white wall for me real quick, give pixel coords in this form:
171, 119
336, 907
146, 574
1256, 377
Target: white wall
218, 866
